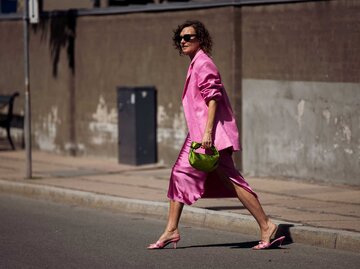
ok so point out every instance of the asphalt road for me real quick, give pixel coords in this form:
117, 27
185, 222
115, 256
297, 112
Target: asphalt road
42, 234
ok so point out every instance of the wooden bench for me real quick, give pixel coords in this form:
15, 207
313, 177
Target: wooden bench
6, 114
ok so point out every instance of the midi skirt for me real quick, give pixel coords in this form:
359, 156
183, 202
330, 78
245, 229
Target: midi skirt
187, 184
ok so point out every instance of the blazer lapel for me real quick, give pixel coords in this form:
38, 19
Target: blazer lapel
200, 52
187, 81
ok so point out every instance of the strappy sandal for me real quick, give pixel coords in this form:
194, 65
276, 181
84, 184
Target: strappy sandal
265, 245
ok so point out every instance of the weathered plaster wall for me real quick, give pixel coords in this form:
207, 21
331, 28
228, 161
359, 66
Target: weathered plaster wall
131, 50
302, 129
11, 70
291, 72
301, 91
77, 63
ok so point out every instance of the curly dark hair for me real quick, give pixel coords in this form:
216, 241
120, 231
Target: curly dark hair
202, 34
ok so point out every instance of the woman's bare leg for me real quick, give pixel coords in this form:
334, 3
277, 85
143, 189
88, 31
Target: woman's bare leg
171, 229
267, 228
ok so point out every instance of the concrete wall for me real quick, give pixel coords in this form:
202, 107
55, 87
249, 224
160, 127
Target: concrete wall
11, 71
301, 90
74, 80
291, 71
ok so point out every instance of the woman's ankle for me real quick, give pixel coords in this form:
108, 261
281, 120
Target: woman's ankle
168, 234
172, 230
265, 225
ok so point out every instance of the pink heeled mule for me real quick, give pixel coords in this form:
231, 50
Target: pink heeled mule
266, 245
162, 244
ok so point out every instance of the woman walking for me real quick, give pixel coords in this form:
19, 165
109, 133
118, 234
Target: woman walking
210, 121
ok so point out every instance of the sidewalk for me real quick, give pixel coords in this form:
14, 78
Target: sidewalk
320, 215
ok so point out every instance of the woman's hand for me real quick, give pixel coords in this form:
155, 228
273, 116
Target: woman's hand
206, 141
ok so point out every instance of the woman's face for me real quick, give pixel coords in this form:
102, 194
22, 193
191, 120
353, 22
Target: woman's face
189, 43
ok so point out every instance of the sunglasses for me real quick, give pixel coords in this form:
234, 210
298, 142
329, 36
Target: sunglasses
186, 38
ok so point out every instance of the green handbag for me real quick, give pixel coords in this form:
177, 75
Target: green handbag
203, 162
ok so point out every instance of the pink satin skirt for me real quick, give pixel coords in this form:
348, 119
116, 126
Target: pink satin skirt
187, 184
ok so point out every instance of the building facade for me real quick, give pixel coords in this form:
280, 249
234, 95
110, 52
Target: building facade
291, 70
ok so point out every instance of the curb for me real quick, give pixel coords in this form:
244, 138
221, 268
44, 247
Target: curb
320, 237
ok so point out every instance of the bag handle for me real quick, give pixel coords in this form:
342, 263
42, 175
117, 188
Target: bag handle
196, 145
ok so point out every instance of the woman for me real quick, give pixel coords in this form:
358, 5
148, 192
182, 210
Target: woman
210, 121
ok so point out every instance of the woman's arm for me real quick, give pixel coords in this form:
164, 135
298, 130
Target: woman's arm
207, 137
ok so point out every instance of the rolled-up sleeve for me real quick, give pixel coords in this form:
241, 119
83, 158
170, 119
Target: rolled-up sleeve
209, 82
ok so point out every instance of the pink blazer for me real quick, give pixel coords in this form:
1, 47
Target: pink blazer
203, 83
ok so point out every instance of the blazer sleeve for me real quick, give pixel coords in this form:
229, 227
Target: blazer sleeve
209, 82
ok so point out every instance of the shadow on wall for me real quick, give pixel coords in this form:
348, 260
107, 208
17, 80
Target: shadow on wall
61, 26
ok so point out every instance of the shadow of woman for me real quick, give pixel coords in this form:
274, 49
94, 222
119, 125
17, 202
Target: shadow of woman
248, 244
242, 245
283, 230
